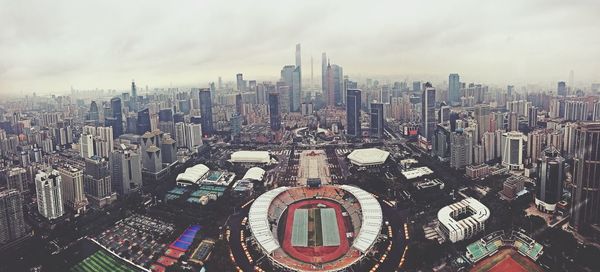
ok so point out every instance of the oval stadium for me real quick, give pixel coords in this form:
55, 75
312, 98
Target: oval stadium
328, 228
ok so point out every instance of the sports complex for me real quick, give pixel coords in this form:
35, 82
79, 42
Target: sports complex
326, 228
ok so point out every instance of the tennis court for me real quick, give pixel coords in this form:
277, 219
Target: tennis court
300, 228
329, 227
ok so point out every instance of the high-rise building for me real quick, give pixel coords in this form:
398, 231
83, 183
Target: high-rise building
512, 150
482, 116
416, 86
274, 113
126, 171
15, 178
561, 90
49, 196
377, 120
461, 149
193, 136
324, 65
454, 89
165, 121
97, 182
143, 121
585, 195
94, 114
428, 113
73, 193
549, 180
133, 98
12, 223
117, 114
206, 111
532, 117
575, 110
240, 82
353, 102
297, 84
596, 111
441, 142
534, 145
96, 141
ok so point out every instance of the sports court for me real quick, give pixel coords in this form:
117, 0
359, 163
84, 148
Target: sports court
506, 260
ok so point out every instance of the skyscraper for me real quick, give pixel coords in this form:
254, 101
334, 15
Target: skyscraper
454, 89
353, 104
126, 171
143, 121
298, 76
428, 113
274, 114
377, 117
561, 90
324, 65
97, 182
49, 196
549, 180
15, 178
461, 149
133, 98
240, 82
73, 193
206, 111
165, 121
94, 114
115, 105
532, 117
12, 223
585, 196
512, 150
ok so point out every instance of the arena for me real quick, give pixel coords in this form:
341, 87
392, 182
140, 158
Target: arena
327, 228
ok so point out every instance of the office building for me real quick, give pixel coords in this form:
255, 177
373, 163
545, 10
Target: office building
428, 113
15, 178
165, 121
143, 121
12, 223
96, 141
206, 111
585, 195
240, 82
512, 150
274, 113
461, 149
575, 110
454, 90
133, 98
532, 117
561, 90
49, 196
73, 193
126, 171
353, 103
117, 114
97, 182
377, 121
549, 180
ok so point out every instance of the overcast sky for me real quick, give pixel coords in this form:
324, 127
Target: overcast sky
49, 46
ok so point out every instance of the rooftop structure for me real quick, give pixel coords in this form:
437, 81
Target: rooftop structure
368, 157
417, 172
463, 219
193, 174
256, 157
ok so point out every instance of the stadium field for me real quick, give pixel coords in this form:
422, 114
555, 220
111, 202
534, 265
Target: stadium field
101, 261
506, 258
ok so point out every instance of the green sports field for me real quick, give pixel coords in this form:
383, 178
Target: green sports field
101, 261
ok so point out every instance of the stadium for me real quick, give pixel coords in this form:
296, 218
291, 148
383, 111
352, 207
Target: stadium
500, 251
327, 228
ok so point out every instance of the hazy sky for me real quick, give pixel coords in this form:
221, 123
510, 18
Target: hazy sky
49, 46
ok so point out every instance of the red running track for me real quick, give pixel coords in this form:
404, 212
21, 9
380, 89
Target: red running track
508, 264
319, 254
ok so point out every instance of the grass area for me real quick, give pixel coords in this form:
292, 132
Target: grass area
101, 261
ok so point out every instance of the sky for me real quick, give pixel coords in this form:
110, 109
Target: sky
51, 46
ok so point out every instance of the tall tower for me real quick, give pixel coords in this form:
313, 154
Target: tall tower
512, 150
376, 128
561, 89
133, 98
274, 112
428, 113
49, 196
454, 89
353, 112
585, 206
126, 171
549, 180
206, 111
324, 73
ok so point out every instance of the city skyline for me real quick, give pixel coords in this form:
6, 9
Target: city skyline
49, 48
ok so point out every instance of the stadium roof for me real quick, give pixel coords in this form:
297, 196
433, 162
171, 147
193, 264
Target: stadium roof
259, 221
372, 218
254, 173
193, 174
250, 157
368, 156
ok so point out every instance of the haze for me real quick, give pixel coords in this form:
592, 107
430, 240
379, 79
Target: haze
49, 46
